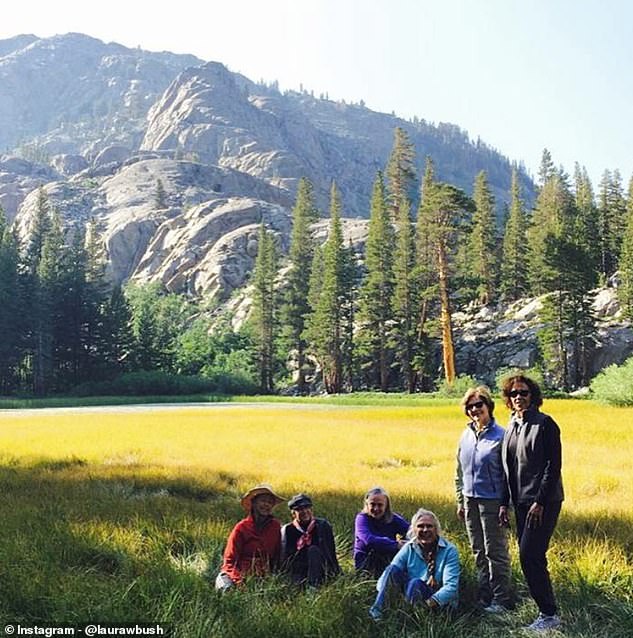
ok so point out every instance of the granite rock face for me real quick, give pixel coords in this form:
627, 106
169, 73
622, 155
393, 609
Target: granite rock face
488, 339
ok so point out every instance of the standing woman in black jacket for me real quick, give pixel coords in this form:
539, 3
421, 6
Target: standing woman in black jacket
531, 456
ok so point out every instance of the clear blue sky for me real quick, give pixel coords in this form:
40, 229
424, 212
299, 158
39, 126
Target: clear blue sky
521, 74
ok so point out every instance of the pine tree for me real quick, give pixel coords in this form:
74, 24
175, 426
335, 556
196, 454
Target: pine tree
482, 261
326, 330
546, 169
160, 196
625, 289
447, 208
426, 278
400, 172
296, 306
375, 314
405, 300
514, 263
586, 220
611, 221
10, 308
265, 308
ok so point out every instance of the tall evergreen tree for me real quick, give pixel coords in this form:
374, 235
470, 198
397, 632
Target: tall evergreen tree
10, 309
264, 312
375, 310
514, 264
625, 289
586, 220
426, 278
405, 300
481, 254
447, 209
400, 172
611, 221
296, 306
326, 329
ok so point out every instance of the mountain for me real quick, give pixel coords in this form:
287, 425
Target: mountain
104, 127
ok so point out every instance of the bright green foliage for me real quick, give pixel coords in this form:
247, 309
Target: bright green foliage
546, 169
375, 309
614, 384
400, 172
326, 331
296, 306
611, 221
481, 255
514, 261
264, 313
158, 320
117, 341
625, 289
405, 300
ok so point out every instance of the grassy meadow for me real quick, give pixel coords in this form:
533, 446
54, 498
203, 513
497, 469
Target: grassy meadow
121, 515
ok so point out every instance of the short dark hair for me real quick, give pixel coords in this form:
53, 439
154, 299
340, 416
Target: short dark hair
535, 391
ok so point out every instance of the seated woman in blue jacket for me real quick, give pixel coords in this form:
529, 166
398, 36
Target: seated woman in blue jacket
426, 569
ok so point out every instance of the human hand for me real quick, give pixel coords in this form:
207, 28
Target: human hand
461, 513
535, 516
504, 520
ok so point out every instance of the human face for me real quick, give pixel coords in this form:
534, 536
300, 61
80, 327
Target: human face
519, 400
302, 514
377, 505
425, 530
477, 410
263, 504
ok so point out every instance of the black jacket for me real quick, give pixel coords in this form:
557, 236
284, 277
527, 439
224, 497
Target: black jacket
533, 471
323, 537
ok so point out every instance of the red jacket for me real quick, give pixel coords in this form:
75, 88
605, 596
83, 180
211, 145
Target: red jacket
250, 550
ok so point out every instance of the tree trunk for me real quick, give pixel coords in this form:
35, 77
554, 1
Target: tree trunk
448, 351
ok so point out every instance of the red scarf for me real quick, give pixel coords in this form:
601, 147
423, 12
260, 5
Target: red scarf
305, 540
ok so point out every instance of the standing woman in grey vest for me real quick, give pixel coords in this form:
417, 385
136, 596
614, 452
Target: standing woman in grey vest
531, 455
480, 483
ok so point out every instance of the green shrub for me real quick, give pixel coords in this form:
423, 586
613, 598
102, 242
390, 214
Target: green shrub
144, 383
614, 385
458, 388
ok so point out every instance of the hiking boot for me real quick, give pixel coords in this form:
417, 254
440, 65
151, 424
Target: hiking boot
545, 623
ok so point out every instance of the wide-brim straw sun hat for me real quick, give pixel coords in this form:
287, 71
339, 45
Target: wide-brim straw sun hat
262, 488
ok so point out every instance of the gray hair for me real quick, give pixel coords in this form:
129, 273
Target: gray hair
379, 491
418, 515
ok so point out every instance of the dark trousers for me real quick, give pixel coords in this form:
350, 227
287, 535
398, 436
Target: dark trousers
311, 569
533, 545
375, 563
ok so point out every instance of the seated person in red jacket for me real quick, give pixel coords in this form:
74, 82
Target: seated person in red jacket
254, 543
378, 533
308, 552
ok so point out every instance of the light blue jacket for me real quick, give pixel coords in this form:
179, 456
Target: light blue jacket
479, 468
410, 560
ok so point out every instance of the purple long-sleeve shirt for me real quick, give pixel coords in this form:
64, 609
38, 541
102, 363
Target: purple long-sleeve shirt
375, 534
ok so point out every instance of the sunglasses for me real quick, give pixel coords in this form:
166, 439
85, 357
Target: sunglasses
516, 393
476, 404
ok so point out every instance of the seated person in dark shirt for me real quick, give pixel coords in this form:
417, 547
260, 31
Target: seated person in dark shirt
307, 545
378, 533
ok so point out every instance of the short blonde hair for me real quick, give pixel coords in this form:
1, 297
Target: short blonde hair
484, 393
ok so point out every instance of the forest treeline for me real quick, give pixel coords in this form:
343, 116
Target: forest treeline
383, 320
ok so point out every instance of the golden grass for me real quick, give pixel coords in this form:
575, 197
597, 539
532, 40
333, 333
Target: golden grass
409, 450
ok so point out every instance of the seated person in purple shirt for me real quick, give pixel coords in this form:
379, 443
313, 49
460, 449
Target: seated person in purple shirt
378, 533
